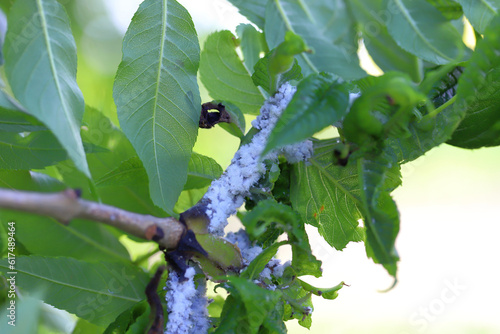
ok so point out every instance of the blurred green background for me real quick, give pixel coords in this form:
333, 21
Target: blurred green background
449, 204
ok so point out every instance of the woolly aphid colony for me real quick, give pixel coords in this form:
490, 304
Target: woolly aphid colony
186, 303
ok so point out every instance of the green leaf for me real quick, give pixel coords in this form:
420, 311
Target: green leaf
258, 302
224, 75
274, 324
384, 110
127, 318
258, 264
430, 133
81, 239
107, 288
328, 196
281, 187
131, 179
97, 129
53, 320
254, 10
3, 237
127, 187
378, 176
326, 27
478, 93
422, 30
188, 199
84, 327
320, 101
3, 30
480, 12
449, 8
157, 95
142, 324
40, 63
481, 125
5, 5
128, 173
10, 103
18, 121
265, 223
215, 307
280, 65
261, 76
327, 293
445, 88
282, 58
253, 43
202, 170
298, 303
33, 151
27, 314
222, 255
46, 236
269, 214
303, 261
233, 316
381, 46
237, 124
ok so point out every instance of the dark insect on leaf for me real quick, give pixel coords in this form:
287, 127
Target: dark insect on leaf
210, 119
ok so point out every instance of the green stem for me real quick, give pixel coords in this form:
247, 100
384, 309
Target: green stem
445, 105
93, 191
418, 75
297, 303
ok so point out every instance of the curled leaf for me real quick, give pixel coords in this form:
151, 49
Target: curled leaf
223, 256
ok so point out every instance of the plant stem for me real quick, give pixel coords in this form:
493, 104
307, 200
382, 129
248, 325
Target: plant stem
66, 205
445, 105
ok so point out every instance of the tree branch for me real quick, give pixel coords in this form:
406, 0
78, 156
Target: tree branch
67, 205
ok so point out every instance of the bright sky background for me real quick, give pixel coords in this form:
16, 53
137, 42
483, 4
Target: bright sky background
450, 214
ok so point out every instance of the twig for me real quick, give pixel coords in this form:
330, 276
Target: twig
67, 205
156, 316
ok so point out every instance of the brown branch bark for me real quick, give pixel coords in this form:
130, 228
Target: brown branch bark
67, 205
156, 316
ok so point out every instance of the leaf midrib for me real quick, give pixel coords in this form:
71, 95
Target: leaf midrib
289, 27
157, 93
405, 13
489, 6
53, 69
334, 181
76, 287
